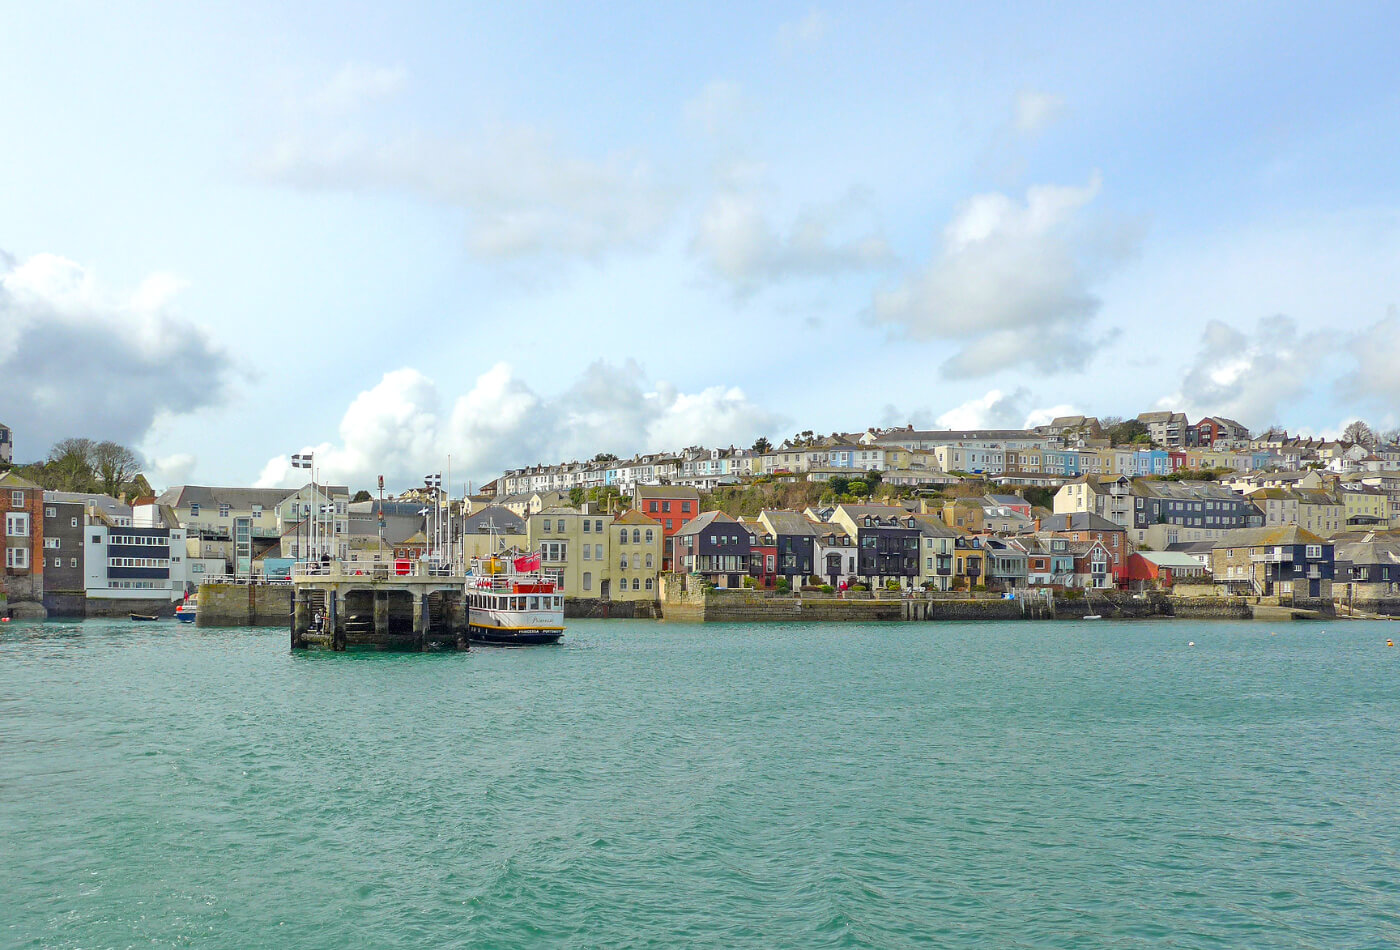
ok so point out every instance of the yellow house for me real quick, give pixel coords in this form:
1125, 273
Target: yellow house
1320, 512
1364, 505
573, 545
636, 556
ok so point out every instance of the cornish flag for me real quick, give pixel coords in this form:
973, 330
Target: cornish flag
301, 461
527, 563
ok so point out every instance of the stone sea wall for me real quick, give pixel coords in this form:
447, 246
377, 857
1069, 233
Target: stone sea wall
244, 605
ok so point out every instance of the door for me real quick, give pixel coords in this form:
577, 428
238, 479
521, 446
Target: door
603, 589
1314, 588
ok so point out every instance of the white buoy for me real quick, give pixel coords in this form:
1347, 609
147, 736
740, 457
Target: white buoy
1191, 644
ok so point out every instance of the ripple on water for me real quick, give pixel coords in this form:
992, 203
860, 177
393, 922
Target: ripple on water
649, 784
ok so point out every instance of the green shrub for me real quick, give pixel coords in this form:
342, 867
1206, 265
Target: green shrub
891, 584
825, 588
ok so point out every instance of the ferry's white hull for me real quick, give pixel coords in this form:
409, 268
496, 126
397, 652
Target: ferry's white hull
516, 626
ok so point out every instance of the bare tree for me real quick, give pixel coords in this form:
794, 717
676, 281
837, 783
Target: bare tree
69, 466
114, 466
1358, 432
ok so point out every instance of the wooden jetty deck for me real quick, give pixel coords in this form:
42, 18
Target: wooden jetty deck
358, 604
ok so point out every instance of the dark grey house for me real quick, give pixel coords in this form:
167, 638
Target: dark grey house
795, 537
64, 522
887, 541
713, 545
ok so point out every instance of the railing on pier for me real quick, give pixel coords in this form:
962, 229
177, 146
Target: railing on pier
377, 570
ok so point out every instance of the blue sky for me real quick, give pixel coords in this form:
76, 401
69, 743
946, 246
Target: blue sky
519, 233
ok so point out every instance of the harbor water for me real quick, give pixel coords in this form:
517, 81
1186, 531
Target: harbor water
644, 784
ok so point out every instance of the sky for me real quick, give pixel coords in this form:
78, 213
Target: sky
410, 235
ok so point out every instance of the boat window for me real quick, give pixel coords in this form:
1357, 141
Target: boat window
534, 603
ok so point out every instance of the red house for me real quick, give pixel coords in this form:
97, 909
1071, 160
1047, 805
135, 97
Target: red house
1161, 568
763, 553
1087, 526
670, 506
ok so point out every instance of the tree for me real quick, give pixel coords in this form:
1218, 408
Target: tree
114, 466
605, 457
1127, 432
362, 495
576, 496
69, 466
1359, 433
762, 446
839, 484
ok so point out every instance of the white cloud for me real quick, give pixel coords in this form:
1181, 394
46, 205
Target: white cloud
80, 359
1253, 377
523, 193
399, 428
170, 470
355, 85
806, 33
994, 410
1377, 352
1036, 110
737, 242
1040, 417
1011, 281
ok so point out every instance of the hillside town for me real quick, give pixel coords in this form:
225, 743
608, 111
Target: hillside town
1152, 503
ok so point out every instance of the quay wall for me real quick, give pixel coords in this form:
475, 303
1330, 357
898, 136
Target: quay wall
244, 605
749, 606
593, 608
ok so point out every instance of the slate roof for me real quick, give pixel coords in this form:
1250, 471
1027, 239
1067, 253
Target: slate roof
1266, 537
1078, 521
703, 521
788, 523
182, 496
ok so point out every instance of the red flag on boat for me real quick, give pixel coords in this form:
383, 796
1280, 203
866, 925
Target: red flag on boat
528, 562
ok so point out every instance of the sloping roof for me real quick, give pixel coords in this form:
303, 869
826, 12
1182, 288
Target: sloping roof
90, 500
633, 516
702, 521
1078, 521
666, 491
1171, 559
504, 520
1008, 500
1192, 547
787, 522
1266, 537
11, 480
932, 526
182, 496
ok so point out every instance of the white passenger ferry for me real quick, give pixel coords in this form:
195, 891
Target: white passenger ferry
512, 602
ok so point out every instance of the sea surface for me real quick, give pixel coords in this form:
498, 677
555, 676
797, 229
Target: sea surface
1013, 785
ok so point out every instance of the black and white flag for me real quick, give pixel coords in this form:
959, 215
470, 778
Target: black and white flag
301, 461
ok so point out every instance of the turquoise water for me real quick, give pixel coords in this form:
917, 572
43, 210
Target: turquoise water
989, 785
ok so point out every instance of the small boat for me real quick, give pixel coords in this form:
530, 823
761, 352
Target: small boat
144, 617
186, 612
512, 603
1094, 617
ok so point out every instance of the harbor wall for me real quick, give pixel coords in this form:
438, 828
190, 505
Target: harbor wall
751, 606
244, 605
593, 608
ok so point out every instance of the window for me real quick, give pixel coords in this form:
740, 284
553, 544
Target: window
1313, 551
636, 583
585, 525
546, 523
665, 506
72, 562
622, 536
561, 526
649, 536
597, 552
194, 511
652, 506
648, 560
17, 525
17, 557
598, 525
685, 507
50, 512
648, 583
587, 581
16, 499
587, 552
72, 522
51, 542
622, 562
554, 551
223, 511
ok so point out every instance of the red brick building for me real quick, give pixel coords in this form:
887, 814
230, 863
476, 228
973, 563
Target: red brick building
22, 534
1087, 526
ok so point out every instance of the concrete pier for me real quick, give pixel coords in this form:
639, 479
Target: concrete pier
344, 605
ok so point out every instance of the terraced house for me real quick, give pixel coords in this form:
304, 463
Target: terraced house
22, 517
1288, 563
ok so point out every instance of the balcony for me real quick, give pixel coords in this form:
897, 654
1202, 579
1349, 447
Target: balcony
1272, 557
